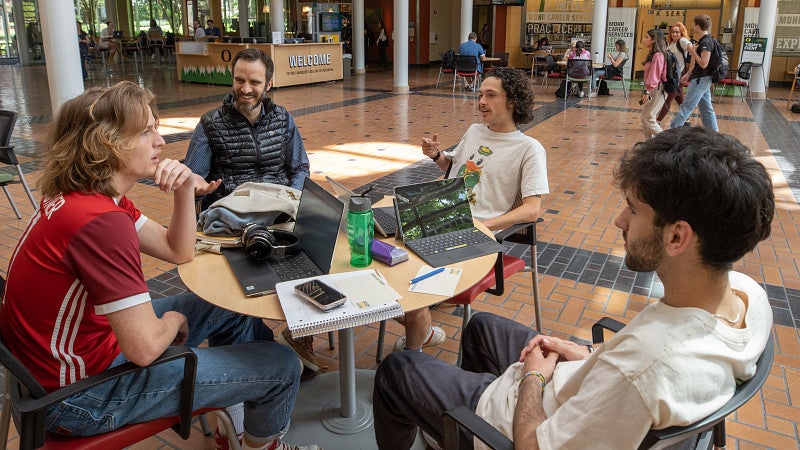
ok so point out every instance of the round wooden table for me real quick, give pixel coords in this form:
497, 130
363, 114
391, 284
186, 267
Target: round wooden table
345, 420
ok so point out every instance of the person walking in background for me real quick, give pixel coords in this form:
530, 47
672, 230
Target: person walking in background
486, 33
698, 92
655, 72
383, 43
677, 43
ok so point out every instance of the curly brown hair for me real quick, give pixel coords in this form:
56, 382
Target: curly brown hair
519, 91
92, 138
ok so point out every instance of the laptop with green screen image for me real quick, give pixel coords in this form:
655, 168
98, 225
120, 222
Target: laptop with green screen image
435, 222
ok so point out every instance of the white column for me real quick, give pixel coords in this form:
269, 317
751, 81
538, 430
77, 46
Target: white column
400, 34
766, 27
466, 20
22, 36
244, 24
64, 75
276, 17
359, 45
599, 26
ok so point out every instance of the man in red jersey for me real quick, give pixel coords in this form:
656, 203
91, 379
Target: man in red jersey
76, 301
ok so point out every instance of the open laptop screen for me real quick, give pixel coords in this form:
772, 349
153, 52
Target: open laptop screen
319, 216
433, 208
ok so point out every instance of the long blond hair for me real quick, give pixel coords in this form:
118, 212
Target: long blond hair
92, 139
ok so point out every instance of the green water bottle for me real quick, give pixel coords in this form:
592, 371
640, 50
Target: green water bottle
360, 230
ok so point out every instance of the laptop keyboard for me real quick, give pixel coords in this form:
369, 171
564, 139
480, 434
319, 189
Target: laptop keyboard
385, 218
294, 267
432, 245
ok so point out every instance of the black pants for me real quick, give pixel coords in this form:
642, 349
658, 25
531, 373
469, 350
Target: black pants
414, 389
382, 53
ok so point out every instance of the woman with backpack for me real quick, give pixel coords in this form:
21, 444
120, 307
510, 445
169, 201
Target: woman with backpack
677, 44
654, 75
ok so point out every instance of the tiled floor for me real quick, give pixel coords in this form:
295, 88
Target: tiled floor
359, 132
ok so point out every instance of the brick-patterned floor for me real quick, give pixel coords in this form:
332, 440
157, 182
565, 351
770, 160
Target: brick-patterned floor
359, 132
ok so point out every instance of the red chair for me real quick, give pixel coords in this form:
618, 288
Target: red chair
617, 78
448, 65
26, 402
551, 72
742, 80
467, 66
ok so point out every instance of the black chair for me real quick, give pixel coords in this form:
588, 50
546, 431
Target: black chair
448, 65
696, 436
26, 401
467, 66
7, 156
742, 80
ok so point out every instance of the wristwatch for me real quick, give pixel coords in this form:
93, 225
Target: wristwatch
646, 92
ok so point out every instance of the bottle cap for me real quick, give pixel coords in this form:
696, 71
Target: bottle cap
359, 204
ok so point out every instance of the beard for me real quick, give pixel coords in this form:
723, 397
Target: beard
645, 255
244, 107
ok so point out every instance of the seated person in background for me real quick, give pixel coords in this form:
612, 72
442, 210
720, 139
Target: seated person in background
248, 138
471, 47
212, 31
81, 255
616, 62
107, 42
199, 32
155, 38
543, 44
580, 70
497, 162
676, 362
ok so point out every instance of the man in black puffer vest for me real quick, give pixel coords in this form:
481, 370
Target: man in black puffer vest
248, 138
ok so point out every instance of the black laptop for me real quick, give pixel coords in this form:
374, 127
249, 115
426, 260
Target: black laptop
118, 34
319, 216
435, 222
385, 220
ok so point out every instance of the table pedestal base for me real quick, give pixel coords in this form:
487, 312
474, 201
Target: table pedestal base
328, 428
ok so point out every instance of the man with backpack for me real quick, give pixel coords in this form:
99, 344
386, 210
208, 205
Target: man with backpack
706, 59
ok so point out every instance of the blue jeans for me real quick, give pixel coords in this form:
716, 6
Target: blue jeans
698, 93
413, 388
243, 364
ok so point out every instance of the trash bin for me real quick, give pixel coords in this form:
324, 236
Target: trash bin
347, 65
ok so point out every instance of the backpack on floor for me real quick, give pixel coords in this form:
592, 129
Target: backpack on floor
796, 108
562, 89
672, 85
602, 88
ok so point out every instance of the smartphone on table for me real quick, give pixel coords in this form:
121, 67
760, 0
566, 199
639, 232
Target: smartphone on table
321, 295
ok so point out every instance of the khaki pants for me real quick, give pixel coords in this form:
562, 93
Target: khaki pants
650, 124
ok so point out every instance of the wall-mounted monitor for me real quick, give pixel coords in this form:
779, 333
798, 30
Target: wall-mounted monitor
330, 22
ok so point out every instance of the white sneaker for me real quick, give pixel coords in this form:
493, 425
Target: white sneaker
581, 94
278, 444
436, 337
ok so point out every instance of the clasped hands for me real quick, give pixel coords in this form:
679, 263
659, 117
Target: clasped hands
543, 352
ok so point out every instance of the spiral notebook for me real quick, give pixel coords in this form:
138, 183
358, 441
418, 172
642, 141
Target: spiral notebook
370, 299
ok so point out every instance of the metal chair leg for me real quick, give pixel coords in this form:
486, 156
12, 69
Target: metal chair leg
331, 340
230, 429
535, 286
5, 414
381, 333
27, 189
11, 201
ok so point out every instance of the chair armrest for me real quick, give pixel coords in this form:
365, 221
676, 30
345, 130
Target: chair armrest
35, 408
606, 323
462, 417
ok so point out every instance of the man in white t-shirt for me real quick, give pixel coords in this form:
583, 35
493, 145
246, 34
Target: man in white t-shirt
676, 362
498, 163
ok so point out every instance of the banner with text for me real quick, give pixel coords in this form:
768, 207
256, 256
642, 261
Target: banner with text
621, 25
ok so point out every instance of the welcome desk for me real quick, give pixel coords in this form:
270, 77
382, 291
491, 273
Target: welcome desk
203, 62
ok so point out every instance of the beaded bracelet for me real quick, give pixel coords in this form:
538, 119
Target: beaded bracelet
537, 375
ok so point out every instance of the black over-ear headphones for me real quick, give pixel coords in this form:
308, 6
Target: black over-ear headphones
261, 243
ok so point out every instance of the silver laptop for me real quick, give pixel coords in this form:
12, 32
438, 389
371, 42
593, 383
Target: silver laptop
385, 220
319, 216
435, 222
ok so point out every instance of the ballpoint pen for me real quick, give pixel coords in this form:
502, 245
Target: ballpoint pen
426, 275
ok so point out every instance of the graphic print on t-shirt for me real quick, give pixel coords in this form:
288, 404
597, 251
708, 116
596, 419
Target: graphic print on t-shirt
471, 170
